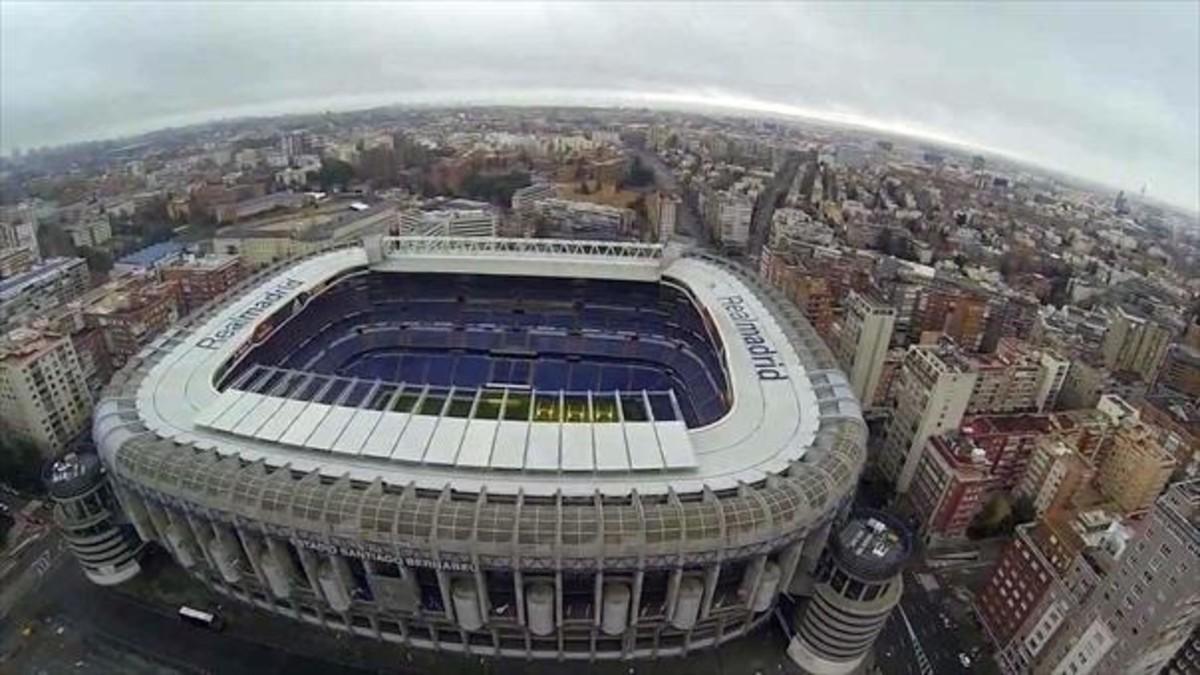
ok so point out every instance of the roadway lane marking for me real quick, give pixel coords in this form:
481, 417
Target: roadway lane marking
922, 660
42, 564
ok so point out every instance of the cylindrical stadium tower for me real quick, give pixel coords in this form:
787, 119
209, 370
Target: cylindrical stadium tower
858, 583
90, 519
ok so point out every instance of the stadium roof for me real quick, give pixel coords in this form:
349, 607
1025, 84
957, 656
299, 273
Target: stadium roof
776, 410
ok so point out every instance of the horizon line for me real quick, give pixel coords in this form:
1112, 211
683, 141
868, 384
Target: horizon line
668, 101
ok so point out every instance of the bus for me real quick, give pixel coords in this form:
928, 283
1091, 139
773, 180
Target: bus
199, 618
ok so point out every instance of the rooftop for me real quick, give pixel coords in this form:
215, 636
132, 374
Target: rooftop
21, 343
873, 545
206, 262
42, 270
1026, 424
152, 254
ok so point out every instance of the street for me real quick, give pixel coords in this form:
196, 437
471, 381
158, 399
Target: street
934, 627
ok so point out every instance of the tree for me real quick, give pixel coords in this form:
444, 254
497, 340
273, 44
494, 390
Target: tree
638, 175
495, 188
334, 173
6, 524
992, 519
99, 261
1023, 511
20, 462
53, 240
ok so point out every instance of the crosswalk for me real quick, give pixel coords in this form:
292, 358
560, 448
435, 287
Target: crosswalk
922, 659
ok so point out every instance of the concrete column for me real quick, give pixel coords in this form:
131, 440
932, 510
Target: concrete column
712, 574
598, 597
615, 605
789, 560
673, 590
768, 587
751, 579
337, 595
138, 517
447, 598
223, 551
687, 605
539, 596
638, 579
519, 594
466, 604
308, 560
252, 548
485, 600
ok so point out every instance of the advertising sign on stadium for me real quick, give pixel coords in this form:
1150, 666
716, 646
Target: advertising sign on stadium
247, 316
762, 354
377, 553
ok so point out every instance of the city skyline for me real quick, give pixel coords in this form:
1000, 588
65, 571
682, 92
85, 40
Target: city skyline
1070, 100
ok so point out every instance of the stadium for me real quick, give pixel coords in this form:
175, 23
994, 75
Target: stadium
526, 448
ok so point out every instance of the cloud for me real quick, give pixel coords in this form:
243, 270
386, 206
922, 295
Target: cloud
1106, 91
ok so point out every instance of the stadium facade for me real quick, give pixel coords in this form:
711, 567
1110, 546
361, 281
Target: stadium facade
529, 448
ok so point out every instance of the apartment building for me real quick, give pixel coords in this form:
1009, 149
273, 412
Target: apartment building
40, 288
952, 483
14, 260
931, 394
1145, 604
1134, 469
1134, 343
1055, 473
1008, 381
449, 223
43, 393
201, 279
1008, 442
860, 343
131, 311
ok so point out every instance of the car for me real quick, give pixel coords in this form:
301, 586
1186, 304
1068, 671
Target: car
964, 660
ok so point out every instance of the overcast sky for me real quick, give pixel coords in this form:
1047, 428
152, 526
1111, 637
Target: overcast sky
1105, 91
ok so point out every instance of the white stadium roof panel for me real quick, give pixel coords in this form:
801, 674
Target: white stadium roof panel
576, 454
676, 448
214, 410
330, 429
412, 443
281, 421
354, 436
542, 452
259, 416
508, 451
476, 450
443, 446
643, 446
387, 431
304, 425
611, 453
